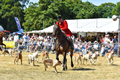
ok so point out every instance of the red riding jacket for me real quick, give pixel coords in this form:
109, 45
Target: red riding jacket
64, 26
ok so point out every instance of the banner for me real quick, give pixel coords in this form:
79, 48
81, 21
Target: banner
9, 44
18, 23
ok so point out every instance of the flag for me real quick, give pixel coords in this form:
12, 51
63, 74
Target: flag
18, 23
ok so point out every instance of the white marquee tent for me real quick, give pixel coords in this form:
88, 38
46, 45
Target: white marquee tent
1, 28
87, 25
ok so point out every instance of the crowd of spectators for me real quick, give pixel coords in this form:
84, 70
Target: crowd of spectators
39, 42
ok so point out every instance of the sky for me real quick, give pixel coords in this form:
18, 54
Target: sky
95, 2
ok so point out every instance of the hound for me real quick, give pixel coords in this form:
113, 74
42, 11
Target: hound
94, 56
87, 57
45, 55
77, 57
9, 51
18, 56
33, 57
109, 56
52, 63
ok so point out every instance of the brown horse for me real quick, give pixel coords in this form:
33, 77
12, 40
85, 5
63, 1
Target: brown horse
62, 46
2, 34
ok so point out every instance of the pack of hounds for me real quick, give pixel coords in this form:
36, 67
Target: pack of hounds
32, 58
92, 57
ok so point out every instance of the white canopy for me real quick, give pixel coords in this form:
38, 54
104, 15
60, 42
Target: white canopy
1, 28
87, 25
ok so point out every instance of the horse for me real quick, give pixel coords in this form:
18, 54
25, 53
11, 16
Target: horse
2, 34
62, 46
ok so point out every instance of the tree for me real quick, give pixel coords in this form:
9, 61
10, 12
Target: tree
47, 12
105, 10
8, 10
86, 10
31, 17
116, 10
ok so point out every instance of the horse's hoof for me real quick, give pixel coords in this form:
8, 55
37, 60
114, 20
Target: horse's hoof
72, 65
66, 69
63, 69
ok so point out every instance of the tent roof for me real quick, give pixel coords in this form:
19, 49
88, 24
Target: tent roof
19, 32
1, 28
87, 25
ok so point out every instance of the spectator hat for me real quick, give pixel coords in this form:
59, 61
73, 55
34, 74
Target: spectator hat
95, 42
107, 35
89, 42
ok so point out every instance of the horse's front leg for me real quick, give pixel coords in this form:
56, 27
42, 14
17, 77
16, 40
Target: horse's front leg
64, 61
57, 54
71, 54
66, 65
4, 45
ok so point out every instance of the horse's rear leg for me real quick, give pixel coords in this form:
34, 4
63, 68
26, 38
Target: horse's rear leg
71, 54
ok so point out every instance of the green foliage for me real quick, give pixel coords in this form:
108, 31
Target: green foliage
116, 10
8, 10
105, 10
44, 13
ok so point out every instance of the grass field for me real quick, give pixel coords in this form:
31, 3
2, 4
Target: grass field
100, 71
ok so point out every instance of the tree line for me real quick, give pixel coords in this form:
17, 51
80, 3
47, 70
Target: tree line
44, 13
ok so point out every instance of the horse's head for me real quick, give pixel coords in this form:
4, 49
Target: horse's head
2, 34
56, 29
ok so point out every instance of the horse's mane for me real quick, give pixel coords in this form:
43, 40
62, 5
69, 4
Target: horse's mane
1, 33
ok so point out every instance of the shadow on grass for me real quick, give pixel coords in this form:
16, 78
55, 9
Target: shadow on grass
39, 62
114, 64
96, 64
82, 69
37, 65
57, 72
26, 65
30, 65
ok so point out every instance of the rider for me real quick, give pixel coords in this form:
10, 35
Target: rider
64, 27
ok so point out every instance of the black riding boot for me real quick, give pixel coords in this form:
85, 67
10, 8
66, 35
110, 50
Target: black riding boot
71, 45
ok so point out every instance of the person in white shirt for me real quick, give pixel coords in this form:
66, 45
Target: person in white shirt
16, 39
102, 49
48, 46
38, 44
25, 39
106, 39
95, 46
10, 38
45, 43
76, 47
41, 38
84, 51
3, 39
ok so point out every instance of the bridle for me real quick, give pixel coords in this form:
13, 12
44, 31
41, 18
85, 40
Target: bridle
57, 31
